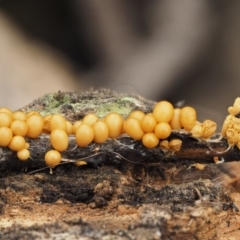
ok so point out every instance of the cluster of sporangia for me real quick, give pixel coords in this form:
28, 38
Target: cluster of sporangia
152, 129
231, 125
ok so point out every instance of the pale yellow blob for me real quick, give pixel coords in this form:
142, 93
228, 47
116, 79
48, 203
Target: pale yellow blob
163, 111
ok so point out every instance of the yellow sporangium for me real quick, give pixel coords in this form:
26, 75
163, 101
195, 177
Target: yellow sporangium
175, 145
209, 128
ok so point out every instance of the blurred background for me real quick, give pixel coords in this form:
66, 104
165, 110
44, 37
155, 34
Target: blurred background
183, 51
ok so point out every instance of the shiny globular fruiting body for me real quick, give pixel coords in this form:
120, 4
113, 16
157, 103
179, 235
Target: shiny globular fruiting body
19, 127
90, 119
84, 135
5, 136
188, 117
57, 121
137, 114
133, 128
59, 140
52, 158
175, 123
35, 125
163, 111
148, 123
163, 130
17, 143
5, 119
19, 115
101, 132
23, 154
114, 122
150, 140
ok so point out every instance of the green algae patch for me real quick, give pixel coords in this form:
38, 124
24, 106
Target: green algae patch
54, 102
50, 103
121, 106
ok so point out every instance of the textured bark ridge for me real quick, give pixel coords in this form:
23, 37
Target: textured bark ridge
125, 191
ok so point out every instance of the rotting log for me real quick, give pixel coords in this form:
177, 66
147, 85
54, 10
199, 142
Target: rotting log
125, 191
75, 105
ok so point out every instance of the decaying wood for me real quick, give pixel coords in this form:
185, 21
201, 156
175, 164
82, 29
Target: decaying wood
125, 151
125, 191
